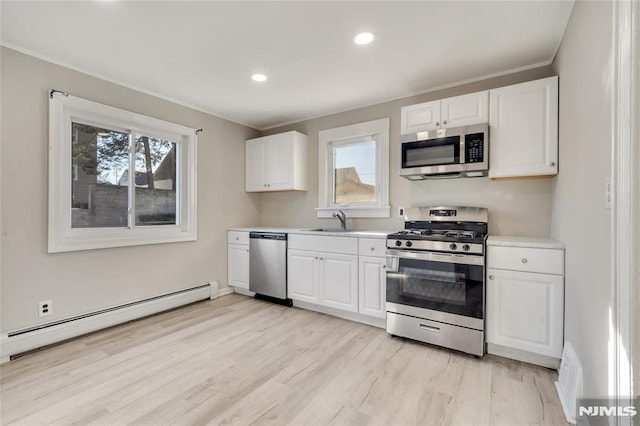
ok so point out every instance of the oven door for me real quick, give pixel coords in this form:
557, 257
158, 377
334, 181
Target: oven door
439, 286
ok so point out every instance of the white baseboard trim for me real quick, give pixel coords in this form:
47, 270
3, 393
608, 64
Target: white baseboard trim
19, 341
524, 356
351, 316
242, 291
225, 291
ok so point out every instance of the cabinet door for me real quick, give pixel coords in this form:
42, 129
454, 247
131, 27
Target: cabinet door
420, 117
525, 311
524, 129
279, 163
339, 281
238, 265
372, 286
254, 169
466, 109
302, 280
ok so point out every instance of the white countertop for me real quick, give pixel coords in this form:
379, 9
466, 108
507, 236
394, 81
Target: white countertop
519, 241
307, 231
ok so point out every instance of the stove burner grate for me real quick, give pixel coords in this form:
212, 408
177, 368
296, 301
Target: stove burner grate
460, 234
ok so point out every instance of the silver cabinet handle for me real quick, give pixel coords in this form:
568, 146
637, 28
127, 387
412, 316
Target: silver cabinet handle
372, 248
437, 123
430, 328
444, 121
524, 260
237, 238
384, 266
248, 251
491, 277
552, 164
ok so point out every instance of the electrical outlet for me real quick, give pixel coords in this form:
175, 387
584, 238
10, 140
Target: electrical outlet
401, 212
44, 308
608, 197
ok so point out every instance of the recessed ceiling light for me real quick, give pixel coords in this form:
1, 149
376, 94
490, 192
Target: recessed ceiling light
259, 77
363, 38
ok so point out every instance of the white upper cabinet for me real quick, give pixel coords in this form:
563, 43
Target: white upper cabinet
276, 163
465, 110
524, 129
450, 112
420, 117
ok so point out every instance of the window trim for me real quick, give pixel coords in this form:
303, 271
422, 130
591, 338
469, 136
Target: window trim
379, 131
62, 237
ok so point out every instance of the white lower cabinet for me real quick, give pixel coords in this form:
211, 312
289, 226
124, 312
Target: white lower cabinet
327, 271
525, 302
324, 278
238, 259
372, 286
302, 278
339, 281
372, 277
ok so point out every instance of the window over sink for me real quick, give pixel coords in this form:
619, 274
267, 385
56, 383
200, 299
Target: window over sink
354, 170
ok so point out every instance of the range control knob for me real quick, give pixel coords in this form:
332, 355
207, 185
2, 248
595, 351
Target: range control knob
453, 246
398, 243
409, 244
466, 247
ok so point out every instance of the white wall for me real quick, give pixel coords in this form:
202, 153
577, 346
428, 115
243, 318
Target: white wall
516, 207
636, 134
584, 63
84, 281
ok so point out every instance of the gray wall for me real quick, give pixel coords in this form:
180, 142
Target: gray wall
516, 207
79, 282
584, 63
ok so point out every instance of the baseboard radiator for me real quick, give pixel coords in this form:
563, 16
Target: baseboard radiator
569, 384
19, 341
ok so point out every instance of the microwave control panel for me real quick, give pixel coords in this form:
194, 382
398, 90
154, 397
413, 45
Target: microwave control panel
474, 148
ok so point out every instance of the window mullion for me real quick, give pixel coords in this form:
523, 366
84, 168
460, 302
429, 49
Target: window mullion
132, 180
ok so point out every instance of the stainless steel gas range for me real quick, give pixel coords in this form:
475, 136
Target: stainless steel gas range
435, 277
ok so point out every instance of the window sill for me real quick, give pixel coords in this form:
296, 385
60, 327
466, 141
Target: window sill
110, 238
356, 211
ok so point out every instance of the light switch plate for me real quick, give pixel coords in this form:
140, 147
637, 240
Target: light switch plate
401, 212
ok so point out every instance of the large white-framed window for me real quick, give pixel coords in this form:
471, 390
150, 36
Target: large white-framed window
117, 178
354, 170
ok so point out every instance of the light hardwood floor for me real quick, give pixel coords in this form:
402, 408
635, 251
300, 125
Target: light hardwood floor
240, 361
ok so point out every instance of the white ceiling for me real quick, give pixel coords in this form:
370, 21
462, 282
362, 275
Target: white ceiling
202, 53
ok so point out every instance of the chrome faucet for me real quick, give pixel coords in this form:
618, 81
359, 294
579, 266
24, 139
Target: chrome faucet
342, 217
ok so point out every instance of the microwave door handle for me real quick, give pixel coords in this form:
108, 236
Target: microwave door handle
462, 149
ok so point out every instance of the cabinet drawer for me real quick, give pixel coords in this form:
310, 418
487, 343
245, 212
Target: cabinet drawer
375, 247
327, 244
238, 237
544, 261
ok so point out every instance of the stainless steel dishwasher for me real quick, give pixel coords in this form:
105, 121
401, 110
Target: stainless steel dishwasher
268, 266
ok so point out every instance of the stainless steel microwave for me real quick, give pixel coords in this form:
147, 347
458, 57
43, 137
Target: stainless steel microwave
446, 153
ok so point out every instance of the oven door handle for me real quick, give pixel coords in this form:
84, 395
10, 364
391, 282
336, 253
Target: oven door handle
393, 257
